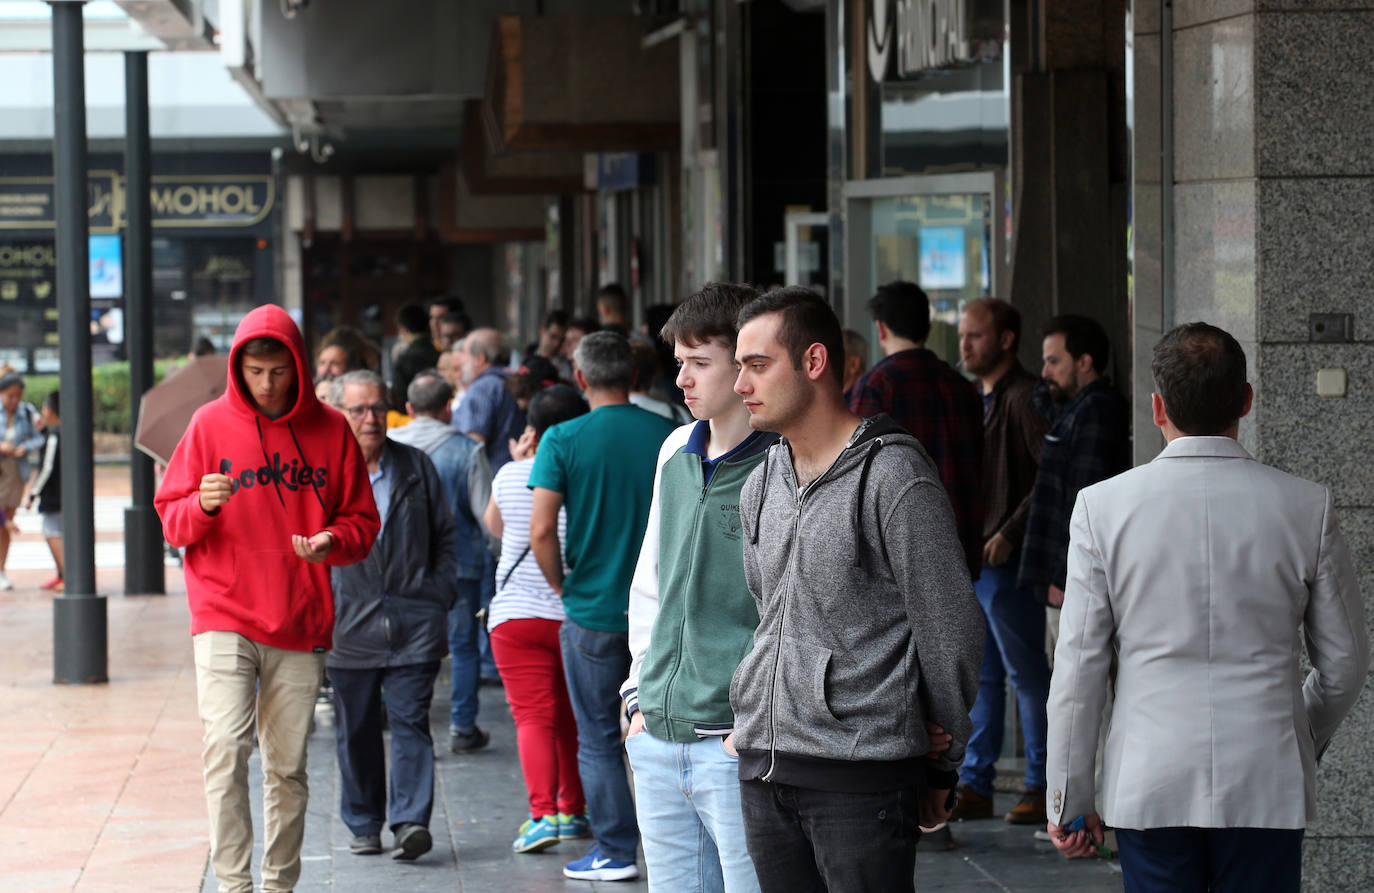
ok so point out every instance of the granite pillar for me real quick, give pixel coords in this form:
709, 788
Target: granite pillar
1265, 216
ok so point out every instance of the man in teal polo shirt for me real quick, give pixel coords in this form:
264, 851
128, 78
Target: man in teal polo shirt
601, 467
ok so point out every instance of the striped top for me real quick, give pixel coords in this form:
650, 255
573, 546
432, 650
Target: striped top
525, 593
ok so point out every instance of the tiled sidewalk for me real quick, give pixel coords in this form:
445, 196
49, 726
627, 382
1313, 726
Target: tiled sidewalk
100, 785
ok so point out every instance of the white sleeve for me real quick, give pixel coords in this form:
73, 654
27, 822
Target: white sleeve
49, 460
644, 585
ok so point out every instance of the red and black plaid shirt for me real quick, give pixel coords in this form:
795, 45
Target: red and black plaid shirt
943, 411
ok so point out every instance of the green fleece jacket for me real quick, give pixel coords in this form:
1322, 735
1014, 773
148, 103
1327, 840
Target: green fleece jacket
692, 617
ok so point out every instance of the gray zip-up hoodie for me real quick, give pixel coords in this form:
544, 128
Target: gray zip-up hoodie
868, 622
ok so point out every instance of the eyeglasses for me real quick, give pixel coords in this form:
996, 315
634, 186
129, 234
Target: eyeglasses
357, 412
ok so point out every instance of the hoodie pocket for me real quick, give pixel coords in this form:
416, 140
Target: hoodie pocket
782, 685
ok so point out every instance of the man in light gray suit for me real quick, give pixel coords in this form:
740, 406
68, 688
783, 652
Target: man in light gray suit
1200, 570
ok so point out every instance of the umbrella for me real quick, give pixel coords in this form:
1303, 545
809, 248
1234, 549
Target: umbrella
165, 411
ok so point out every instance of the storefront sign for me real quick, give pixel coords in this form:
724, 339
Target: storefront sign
621, 171
30, 202
27, 272
921, 35
211, 200
189, 200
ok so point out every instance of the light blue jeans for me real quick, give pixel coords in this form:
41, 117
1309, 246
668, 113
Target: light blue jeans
687, 797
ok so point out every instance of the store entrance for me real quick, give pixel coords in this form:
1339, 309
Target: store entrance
944, 232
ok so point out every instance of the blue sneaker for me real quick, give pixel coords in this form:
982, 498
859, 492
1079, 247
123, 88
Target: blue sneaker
536, 836
572, 827
596, 867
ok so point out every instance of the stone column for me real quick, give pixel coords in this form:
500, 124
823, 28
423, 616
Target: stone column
1272, 183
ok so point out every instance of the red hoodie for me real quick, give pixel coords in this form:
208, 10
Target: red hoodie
298, 474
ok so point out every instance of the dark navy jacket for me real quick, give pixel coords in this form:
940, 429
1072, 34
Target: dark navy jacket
391, 608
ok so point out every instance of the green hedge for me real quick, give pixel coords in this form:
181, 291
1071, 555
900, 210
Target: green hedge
109, 393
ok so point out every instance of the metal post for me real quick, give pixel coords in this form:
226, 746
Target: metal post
142, 529
79, 631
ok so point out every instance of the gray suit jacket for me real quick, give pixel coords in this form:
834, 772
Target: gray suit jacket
1203, 571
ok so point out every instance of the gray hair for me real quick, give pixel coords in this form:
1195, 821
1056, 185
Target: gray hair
606, 361
357, 376
485, 344
428, 393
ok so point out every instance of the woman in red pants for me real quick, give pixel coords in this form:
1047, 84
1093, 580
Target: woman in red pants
523, 622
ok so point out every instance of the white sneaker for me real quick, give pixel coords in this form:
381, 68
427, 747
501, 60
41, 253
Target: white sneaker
5, 584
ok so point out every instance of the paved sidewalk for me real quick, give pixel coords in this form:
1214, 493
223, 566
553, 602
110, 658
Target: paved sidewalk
100, 786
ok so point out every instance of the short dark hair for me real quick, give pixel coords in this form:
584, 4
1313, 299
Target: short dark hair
1200, 372
413, 318
428, 393
263, 347
554, 405
586, 323
806, 320
904, 308
203, 347
605, 360
711, 312
10, 380
450, 304
1082, 335
1005, 318
53, 403
555, 318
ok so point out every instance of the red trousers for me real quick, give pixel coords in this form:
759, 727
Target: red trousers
531, 666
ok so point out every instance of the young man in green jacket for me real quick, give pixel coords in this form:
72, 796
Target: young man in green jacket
692, 617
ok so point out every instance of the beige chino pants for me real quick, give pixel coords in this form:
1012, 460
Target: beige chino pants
236, 681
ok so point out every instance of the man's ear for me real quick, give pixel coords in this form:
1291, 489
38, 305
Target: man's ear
1008, 341
816, 361
882, 329
1158, 414
1249, 401
580, 379
410, 409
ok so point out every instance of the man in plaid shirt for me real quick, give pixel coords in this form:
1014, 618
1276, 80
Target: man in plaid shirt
937, 405
1089, 442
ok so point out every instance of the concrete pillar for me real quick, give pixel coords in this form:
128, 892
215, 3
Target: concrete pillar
1261, 217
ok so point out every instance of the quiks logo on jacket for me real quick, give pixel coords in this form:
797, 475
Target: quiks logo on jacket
292, 476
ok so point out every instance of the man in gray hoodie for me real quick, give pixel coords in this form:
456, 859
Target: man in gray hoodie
870, 638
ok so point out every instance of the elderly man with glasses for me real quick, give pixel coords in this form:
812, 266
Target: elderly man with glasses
390, 633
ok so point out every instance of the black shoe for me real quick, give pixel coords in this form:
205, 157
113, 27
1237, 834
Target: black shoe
467, 742
412, 842
366, 845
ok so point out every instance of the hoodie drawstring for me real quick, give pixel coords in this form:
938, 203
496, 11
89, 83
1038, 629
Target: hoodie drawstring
262, 444
314, 487
859, 505
763, 496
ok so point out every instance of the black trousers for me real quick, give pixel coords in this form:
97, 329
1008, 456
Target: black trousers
365, 803
1219, 860
804, 840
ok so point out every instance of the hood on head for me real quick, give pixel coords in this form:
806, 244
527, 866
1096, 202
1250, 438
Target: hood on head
270, 321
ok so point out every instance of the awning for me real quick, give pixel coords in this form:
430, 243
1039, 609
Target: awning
580, 83
465, 217
488, 172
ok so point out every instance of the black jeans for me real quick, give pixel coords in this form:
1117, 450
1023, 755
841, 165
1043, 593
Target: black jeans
1222, 860
804, 840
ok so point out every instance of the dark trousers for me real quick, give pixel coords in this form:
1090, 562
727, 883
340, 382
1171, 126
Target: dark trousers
803, 840
364, 801
1220, 860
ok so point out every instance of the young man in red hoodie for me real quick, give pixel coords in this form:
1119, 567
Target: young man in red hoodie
266, 489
